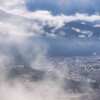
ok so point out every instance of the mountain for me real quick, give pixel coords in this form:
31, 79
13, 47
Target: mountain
73, 39
74, 30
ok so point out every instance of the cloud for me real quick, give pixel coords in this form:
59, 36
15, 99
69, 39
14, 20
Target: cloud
83, 32
19, 8
46, 17
11, 5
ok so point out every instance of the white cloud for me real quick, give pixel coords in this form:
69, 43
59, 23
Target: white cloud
77, 30
84, 32
46, 17
82, 36
18, 8
12, 5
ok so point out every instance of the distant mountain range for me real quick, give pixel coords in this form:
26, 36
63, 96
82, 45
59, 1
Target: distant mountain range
74, 30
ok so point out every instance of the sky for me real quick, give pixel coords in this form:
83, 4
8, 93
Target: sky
65, 6
56, 6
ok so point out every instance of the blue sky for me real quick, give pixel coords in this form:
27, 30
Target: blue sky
68, 7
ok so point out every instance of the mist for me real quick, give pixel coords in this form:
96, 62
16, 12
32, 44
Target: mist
29, 72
